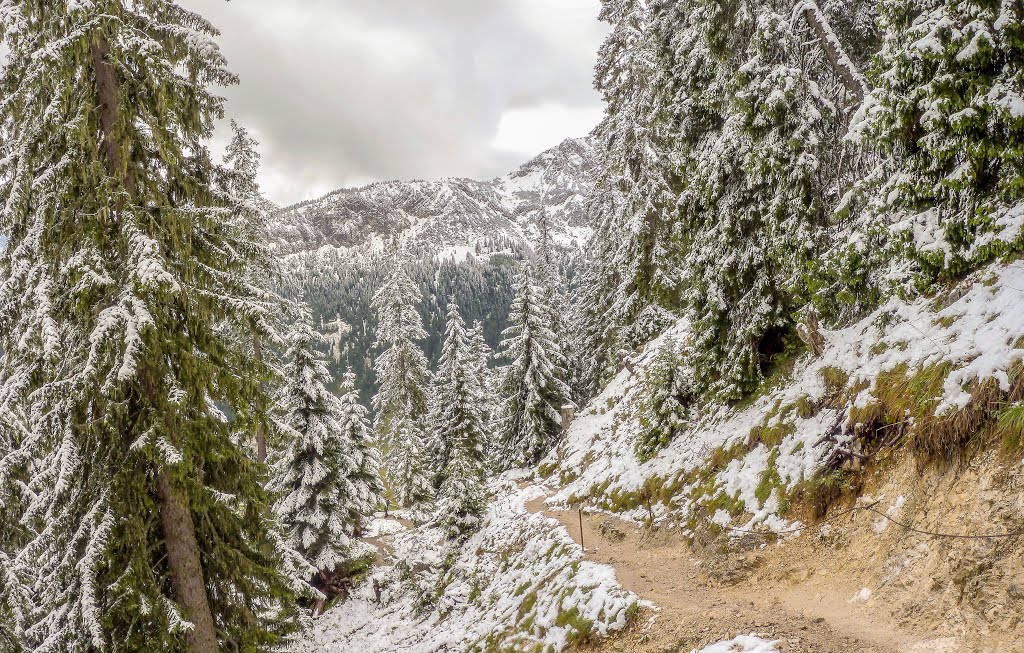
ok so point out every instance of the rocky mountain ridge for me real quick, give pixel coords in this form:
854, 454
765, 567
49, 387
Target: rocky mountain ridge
451, 216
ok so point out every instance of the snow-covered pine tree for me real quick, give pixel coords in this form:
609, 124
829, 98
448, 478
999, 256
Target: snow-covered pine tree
125, 274
327, 474
948, 107
407, 461
459, 430
239, 179
402, 376
759, 216
666, 410
548, 273
480, 355
533, 384
591, 358
636, 281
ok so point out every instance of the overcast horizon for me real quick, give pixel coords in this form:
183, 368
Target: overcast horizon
342, 93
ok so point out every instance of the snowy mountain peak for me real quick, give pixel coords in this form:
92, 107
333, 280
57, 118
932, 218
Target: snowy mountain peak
452, 216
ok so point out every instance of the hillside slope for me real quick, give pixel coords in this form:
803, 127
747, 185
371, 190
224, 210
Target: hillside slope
894, 459
519, 584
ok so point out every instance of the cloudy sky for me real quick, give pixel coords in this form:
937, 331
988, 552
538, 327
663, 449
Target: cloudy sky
343, 92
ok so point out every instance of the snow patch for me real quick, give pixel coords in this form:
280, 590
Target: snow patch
741, 644
861, 596
520, 582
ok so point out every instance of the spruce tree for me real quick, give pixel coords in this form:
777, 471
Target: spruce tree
407, 462
125, 274
252, 211
591, 361
759, 217
480, 356
666, 408
459, 429
948, 109
327, 474
533, 384
635, 205
402, 376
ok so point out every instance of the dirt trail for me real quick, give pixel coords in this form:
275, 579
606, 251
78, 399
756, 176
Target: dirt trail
787, 597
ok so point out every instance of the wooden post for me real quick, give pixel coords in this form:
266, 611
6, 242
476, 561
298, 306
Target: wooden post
581, 530
568, 415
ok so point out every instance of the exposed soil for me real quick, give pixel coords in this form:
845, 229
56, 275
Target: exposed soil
861, 589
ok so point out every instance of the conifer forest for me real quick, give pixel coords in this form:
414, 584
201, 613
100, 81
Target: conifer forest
732, 363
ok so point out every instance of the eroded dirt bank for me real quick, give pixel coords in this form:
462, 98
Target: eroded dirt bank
862, 584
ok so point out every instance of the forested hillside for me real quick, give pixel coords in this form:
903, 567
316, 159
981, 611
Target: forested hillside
757, 162
340, 294
755, 180
459, 239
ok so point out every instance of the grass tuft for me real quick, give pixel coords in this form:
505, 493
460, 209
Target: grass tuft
1010, 427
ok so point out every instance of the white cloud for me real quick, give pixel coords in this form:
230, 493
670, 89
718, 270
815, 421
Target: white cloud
343, 91
531, 130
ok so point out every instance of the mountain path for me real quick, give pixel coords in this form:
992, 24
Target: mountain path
789, 594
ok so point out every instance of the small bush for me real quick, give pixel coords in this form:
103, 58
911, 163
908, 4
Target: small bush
822, 490
835, 379
529, 601
770, 480
580, 629
769, 436
671, 391
806, 408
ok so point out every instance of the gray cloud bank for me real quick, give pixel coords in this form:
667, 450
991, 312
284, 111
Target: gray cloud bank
342, 92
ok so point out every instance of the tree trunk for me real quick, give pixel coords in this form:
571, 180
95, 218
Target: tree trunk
842, 65
187, 578
107, 91
183, 560
261, 428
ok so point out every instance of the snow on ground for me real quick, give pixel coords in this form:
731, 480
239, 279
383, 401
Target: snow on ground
742, 644
520, 583
976, 328
381, 525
